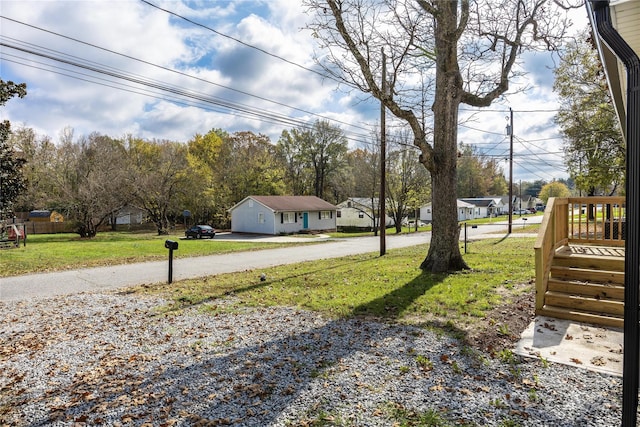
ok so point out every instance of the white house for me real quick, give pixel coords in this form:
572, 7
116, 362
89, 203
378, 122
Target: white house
129, 215
282, 215
484, 206
359, 212
466, 211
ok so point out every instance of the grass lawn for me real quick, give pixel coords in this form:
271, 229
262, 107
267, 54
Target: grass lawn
391, 287
52, 252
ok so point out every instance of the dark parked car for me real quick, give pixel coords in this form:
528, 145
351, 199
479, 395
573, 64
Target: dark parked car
200, 231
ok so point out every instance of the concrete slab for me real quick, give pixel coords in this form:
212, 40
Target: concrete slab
576, 344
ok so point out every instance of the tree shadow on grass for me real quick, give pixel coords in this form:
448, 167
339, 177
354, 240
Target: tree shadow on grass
185, 302
265, 366
395, 303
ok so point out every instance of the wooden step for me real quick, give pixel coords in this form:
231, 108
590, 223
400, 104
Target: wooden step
587, 289
581, 316
588, 261
582, 303
587, 275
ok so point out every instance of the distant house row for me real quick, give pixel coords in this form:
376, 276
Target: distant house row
359, 212
294, 214
486, 207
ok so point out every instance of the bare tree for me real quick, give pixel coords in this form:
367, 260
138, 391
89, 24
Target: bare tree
406, 189
470, 49
89, 181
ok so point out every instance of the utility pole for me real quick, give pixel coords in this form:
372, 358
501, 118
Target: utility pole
520, 191
383, 162
510, 132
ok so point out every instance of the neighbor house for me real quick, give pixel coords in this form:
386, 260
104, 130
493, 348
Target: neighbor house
282, 215
466, 211
360, 213
484, 207
128, 215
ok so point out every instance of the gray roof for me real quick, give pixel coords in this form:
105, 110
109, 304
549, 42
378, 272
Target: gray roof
364, 202
480, 202
39, 214
292, 203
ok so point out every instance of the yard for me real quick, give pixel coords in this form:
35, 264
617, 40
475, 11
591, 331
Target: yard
52, 252
359, 340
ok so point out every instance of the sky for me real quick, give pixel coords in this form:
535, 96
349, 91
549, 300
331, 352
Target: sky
248, 63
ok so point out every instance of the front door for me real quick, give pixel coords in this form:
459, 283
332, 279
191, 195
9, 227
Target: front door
305, 220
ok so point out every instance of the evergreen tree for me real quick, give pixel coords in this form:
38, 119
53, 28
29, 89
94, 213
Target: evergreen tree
11, 178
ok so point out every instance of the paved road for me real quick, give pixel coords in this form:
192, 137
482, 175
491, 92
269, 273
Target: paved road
120, 276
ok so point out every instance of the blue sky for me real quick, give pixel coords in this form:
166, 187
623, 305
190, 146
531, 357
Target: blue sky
269, 94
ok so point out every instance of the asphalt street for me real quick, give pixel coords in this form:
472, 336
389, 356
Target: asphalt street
121, 276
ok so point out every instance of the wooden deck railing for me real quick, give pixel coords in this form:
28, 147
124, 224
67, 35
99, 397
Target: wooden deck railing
576, 220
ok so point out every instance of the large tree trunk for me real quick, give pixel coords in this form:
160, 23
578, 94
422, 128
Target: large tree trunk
444, 251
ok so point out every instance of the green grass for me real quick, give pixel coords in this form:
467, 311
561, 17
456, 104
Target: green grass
52, 252
391, 287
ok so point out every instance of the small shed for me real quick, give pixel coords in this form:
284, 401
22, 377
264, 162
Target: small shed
282, 215
45, 216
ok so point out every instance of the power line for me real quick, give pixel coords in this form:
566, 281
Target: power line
173, 71
241, 42
490, 110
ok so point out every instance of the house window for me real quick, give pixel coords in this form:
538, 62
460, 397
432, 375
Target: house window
250, 203
338, 214
289, 217
428, 210
361, 214
260, 218
325, 215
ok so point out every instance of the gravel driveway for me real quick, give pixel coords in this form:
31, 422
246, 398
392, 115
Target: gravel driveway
110, 359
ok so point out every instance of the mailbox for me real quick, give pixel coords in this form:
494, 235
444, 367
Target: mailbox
171, 244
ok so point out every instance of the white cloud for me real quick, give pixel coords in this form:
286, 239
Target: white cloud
277, 26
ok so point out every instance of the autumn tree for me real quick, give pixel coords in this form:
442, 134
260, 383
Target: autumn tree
201, 195
594, 146
89, 183
11, 178
318, 154
553, 189
157, 176
298, 177
470, 48
479, 175
251, 166
39, 152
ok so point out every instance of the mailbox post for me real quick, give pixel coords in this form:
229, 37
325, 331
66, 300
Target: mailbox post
171, 245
